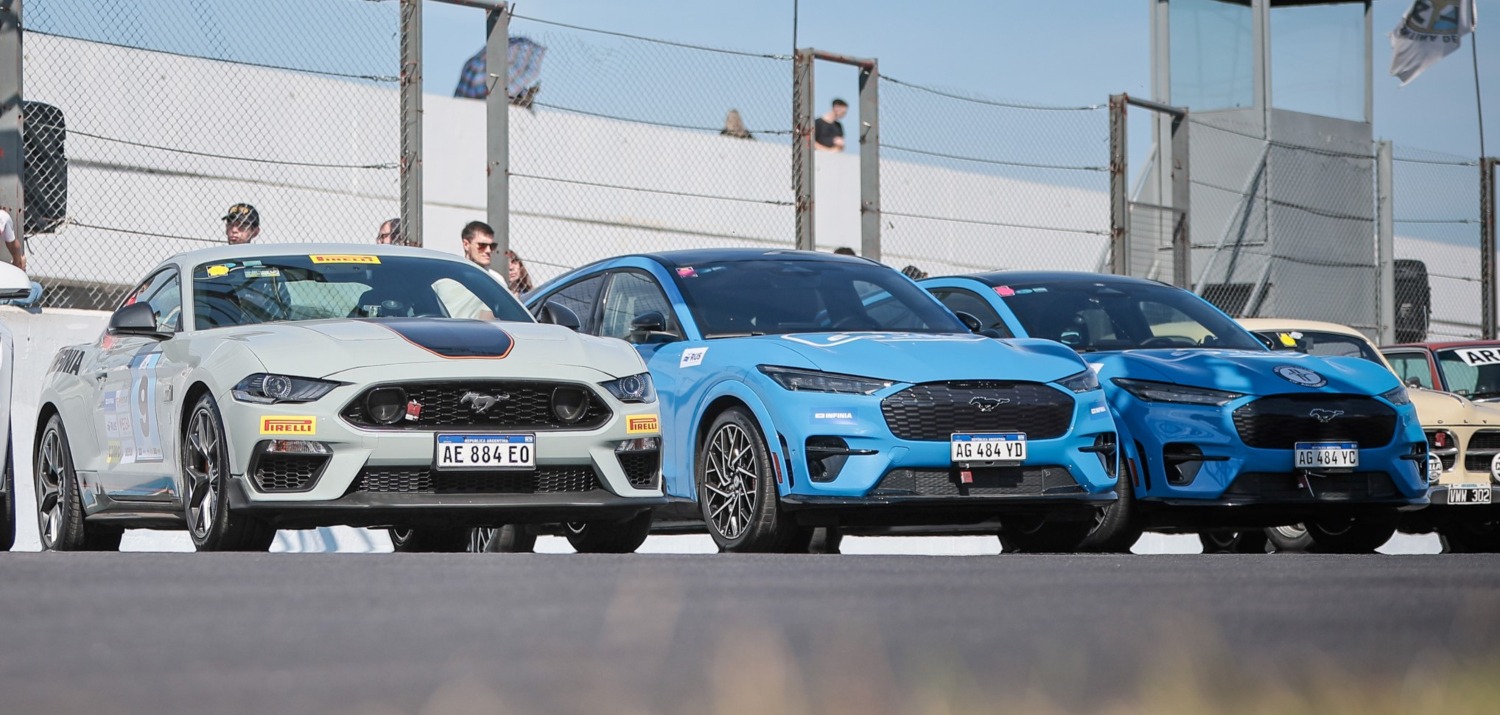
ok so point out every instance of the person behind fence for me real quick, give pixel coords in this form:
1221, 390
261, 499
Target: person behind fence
828, 131
734, 126
17, 257
479, 247
914, 273
241, 224
390, 232
518, 278
845, 251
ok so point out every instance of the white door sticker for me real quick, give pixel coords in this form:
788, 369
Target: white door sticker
692, 357
1479, 356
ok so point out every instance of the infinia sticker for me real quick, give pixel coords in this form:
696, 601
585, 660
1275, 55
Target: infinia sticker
1479, 356
289, 426
837, 339
642, 423
692, 357
367, 260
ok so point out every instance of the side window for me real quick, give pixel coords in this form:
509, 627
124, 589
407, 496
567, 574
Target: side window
631, 295
959, 300
163, 292
1411, 366
578, 297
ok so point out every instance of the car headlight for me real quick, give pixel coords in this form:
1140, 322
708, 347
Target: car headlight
798, 380
1398, 396
1182, 394
632, 388
270, 389
1085, 381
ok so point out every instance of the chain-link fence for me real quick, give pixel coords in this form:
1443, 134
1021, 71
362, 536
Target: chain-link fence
970, 183
171, 111
1436, 208
639, 144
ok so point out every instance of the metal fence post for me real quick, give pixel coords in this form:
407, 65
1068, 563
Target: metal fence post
12, 158
1119, 188
497, 126
802, 146
1487, 245
869, 161
1385, 245
1182, 244
411, 121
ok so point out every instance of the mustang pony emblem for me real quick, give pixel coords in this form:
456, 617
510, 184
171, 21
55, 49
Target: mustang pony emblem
988, 404
481, 403
1324, 416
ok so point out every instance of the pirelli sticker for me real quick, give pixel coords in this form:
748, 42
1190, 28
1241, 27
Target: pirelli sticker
339, 258
642, 423
289, 426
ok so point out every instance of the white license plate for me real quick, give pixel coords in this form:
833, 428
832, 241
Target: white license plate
485, 451
1468, 495
1327, 455
1002, 447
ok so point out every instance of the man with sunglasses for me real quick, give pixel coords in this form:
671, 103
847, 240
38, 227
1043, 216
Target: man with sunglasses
479, 248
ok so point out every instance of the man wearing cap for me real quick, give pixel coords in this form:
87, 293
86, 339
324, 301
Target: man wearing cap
241, 224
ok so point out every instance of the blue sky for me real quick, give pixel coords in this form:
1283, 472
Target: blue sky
1055, 52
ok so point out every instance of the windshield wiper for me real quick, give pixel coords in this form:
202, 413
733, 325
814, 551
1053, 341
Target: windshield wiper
711, 336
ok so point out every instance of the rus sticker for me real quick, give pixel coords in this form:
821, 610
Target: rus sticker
692, 357
289, 426
642, 423
366, 260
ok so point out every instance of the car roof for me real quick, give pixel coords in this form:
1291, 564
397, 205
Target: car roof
1003, 278
699, 256
1446, 345
1258, 324
260, 250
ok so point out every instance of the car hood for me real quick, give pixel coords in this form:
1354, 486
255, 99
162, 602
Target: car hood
325, 348
921, 357
1248, 372
1436, 408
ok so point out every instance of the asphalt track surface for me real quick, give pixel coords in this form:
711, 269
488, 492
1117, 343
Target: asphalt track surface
438, 633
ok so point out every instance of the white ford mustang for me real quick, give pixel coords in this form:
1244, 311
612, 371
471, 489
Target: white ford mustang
13, 284
245, 388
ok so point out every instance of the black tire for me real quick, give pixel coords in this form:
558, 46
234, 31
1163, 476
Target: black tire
1290, 539
205, 487
430, 539
60, 521
1116, 526
1470, 537
8, 497
609, 537
1350, 536
507, 539
740, 516
1233, 542
1039, 536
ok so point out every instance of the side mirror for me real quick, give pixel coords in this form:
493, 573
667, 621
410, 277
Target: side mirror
556, 313
651, 327
14, 285
136, 319
969, 321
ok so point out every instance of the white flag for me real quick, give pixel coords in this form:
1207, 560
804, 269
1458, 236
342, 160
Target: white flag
1430, 31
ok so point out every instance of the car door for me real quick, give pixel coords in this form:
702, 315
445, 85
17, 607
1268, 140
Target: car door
633, 295
132, 422
963, 300
1411, 365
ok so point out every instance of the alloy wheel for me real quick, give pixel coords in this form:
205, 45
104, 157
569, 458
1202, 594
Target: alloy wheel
731, 481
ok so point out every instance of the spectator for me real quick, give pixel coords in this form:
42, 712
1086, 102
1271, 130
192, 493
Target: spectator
241, 224
525, 63
390, 232
479, 247
845, 251
735, 127
17, 257
914, 273
828, 131
519, 280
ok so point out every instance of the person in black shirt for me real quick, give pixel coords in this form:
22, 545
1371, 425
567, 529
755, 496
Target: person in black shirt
828, 131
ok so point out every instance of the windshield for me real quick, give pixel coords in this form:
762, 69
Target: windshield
281, 288
1096, 316
772, 297
1323, 344
1471, 372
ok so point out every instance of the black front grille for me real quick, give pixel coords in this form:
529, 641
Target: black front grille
422, 480
640, 468
987, 481
1282, 421
1288, 486
1483, 447
287, 472
521, 406
935, 411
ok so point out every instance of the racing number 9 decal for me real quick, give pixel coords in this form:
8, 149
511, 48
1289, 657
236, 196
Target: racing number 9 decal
143, 427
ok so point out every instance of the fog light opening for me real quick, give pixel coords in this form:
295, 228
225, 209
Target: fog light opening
569, 404
297, 446
640, 444
386, 405
1183, 462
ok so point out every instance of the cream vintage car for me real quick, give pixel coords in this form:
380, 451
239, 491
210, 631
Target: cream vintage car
1450, 422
